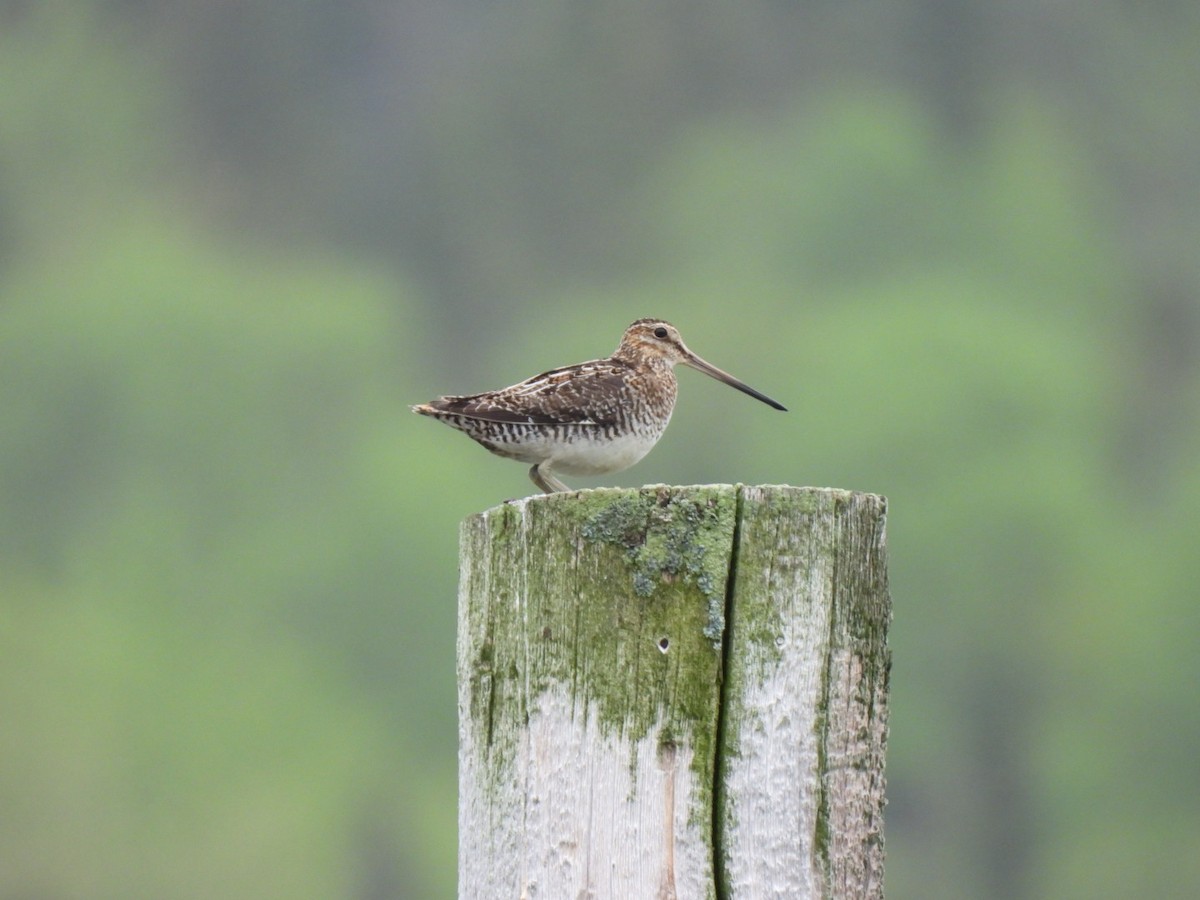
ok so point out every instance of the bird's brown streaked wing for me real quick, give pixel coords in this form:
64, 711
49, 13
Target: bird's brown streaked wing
587, 395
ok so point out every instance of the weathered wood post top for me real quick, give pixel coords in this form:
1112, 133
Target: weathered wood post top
673, 692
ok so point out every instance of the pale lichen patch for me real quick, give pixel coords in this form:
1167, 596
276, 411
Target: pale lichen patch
668, 535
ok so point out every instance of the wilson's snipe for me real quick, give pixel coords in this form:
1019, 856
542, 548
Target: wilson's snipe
590, 419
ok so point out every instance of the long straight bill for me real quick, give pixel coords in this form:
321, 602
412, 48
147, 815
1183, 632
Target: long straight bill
708, 369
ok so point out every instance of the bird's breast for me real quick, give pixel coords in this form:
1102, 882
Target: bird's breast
602, 453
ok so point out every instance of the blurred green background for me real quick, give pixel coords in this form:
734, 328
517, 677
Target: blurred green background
960, 240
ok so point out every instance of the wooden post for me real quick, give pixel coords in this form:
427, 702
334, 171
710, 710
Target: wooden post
673, 692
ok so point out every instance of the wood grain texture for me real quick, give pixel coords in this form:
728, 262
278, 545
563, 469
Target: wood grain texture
805, 705
618, 738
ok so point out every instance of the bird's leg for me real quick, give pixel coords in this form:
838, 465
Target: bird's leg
543, 479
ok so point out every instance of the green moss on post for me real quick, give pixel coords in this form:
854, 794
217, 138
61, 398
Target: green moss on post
614, 648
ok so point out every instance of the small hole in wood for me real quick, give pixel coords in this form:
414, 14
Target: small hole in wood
664, 644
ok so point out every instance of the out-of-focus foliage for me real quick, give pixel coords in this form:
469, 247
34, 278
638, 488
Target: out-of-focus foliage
957, 240
194, 498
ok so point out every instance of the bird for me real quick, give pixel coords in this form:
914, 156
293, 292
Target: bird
592, 418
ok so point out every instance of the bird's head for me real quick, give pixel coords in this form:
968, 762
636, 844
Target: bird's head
647, 340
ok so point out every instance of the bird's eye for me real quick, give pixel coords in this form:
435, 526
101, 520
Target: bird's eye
660, 332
